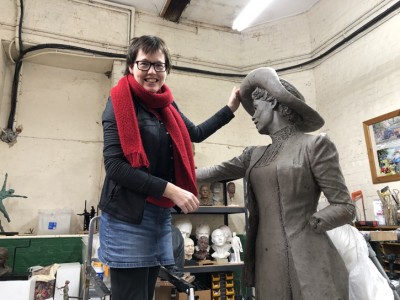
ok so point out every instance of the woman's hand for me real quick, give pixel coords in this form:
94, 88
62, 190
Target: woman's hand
234, 99
183, 199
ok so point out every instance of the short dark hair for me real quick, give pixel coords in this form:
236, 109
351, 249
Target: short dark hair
148, 44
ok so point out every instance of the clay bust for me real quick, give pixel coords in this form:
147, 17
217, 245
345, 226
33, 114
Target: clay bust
4, 269
185, 227
219, 244
287, 247
202, 249
231, 189
216, 190
189, 248
205, 199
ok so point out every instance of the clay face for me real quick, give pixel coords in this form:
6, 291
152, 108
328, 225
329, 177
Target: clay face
263, 116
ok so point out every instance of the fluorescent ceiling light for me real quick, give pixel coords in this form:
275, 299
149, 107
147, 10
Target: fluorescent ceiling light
250, 13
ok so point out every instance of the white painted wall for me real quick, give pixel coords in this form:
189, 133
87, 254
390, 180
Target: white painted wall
57, 161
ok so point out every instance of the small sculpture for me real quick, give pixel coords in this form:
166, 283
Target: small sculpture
86, 218
237, 248
231, 188
185, 227
227, 232
216, 190
202, 249
205, 196
4, 269
219, 245
203, 230
6, 194
65, 289
189, 248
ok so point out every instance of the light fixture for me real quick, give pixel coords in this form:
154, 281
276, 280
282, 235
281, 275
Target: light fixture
252, 10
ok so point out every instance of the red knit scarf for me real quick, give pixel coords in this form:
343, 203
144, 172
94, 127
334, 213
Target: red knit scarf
129, 134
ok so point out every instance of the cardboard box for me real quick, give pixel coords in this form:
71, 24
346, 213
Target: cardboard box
383, 235
203, 295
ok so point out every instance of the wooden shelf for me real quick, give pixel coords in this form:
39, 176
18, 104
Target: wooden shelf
214, 268
377, 228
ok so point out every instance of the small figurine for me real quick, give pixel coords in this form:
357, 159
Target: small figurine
6, 194
237, 248
86, 218
65, 289
4, 269
92, 212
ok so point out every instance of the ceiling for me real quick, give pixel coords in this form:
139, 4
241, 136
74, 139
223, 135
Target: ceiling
216, 12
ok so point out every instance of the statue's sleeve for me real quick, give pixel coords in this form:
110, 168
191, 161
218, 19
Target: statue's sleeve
328, 175
232, 169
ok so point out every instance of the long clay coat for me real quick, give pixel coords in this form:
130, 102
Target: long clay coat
306, 166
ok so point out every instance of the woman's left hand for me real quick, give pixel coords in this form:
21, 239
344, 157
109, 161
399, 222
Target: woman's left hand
234, 99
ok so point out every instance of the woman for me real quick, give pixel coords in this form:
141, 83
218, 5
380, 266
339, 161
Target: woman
149, 167
288, 253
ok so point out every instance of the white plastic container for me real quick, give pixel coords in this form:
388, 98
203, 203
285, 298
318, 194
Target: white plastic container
54, 221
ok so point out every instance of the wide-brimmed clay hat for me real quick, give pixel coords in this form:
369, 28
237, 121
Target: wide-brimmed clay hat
266, 78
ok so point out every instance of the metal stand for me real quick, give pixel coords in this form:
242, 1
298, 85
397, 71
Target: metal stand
372, 256
180, 284
90, 275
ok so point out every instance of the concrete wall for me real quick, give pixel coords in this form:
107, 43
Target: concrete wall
57, 160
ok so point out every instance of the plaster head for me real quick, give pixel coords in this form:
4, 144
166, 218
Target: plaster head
203, 230
185, 227
218, 238
227, 232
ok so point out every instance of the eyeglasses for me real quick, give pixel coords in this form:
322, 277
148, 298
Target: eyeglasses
145, 66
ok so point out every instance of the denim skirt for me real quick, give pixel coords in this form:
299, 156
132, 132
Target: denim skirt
126, 245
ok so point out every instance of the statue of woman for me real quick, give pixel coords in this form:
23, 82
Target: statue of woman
292, 257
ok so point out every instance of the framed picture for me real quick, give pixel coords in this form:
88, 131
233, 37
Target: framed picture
382, 136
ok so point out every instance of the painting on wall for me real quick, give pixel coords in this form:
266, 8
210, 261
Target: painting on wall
382, 136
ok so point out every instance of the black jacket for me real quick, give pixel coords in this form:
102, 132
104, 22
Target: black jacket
126, 188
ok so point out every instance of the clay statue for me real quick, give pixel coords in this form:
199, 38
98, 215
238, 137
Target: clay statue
4, 269
292, 257
6, 194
